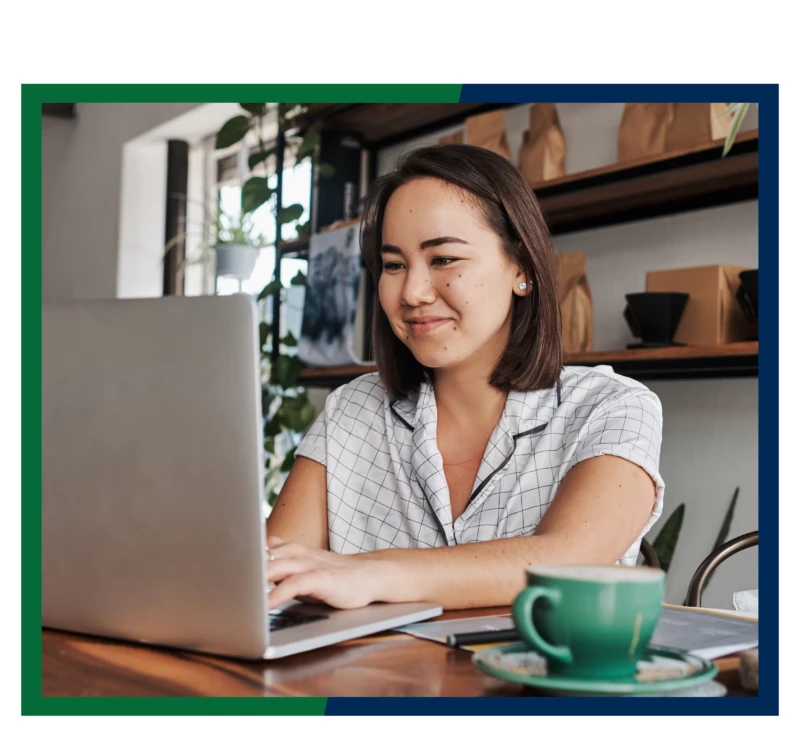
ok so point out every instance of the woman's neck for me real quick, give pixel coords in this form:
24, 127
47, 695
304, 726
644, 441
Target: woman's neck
465, 397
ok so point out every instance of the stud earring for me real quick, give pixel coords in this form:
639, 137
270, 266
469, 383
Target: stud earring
523, 285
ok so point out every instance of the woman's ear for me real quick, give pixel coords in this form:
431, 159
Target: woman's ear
522, 284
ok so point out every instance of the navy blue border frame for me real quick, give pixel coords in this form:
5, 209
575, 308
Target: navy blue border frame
766, 703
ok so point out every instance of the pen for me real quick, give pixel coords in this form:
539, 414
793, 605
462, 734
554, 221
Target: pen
481, 637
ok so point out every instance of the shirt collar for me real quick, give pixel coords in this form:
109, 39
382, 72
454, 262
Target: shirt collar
524, 411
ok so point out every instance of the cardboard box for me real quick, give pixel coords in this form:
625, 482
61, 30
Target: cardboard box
712, 314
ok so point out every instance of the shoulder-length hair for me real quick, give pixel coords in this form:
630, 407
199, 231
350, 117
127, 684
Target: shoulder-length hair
533, 358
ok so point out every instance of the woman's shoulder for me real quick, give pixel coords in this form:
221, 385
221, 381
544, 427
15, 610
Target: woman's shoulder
596, 386
364, 394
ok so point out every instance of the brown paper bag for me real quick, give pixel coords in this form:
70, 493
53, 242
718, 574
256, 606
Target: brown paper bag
643, 129
457, 137
694, 123
575, 301
489, 131
543, 153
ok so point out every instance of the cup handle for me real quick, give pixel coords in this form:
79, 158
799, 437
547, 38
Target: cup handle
741, 297
523, 618
631, 320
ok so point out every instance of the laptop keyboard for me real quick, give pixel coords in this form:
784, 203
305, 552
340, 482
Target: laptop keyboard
284, 619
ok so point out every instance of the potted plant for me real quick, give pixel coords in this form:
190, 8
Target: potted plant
236, 247
231, 242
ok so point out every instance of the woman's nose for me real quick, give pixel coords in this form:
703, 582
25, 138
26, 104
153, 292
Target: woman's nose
418, 288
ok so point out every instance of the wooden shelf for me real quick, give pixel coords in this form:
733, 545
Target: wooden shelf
383, 124
692, 179
680, 181
295, 248
675, 362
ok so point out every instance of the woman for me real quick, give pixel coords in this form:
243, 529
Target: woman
472, 452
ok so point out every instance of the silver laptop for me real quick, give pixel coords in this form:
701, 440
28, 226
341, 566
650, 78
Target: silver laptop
152, 474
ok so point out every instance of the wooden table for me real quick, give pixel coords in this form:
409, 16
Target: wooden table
386, 664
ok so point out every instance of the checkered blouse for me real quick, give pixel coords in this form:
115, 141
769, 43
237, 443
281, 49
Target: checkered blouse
386, 484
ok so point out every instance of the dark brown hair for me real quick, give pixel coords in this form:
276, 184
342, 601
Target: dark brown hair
533, 358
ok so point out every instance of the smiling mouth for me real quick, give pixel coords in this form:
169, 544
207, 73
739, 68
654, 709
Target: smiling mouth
424, 328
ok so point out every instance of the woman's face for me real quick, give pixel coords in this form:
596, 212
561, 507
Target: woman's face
446, 285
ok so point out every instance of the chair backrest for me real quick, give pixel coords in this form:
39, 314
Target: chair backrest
694, 596
649, 555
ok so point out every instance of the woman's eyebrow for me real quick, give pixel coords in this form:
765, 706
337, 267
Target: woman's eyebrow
431, 243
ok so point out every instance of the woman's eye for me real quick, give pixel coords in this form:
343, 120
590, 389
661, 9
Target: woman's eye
392, 266
443, 261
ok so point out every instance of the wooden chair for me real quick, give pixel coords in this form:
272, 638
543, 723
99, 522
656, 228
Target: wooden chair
695, 594
649, 555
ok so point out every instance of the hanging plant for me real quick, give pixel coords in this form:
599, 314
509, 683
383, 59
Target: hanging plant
286, 409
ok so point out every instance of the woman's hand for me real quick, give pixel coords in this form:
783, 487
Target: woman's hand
342, 581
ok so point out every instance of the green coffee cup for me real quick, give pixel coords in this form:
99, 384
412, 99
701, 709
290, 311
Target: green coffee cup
589, 621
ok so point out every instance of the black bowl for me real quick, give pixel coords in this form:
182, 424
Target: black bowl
654, 316
747, 294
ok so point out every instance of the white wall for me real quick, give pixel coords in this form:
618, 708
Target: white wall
81, 187
710, 426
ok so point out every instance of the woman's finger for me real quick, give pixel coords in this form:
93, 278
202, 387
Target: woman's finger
274, 542
280, 568
303, 584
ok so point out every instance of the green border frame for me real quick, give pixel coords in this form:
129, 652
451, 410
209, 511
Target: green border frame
31, 340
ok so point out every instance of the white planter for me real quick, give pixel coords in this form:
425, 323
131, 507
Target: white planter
236, 261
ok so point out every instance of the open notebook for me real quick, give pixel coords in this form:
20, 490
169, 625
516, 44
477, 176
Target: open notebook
702, 632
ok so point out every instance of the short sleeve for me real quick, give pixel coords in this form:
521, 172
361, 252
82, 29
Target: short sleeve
315, 443
628, 426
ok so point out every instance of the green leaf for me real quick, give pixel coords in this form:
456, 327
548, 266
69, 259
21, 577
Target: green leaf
256, 158
288, 370
739, 110
299, 279
273, 427
288, 214
255, 108
294, 403
288, 461
667, 539
289, 341
724, 531
303, 229
307, 415
298, 418
326, 171
307, 146
255, 192
266, 400
269, 445
233, 131
289, 110
272, 288
263, 333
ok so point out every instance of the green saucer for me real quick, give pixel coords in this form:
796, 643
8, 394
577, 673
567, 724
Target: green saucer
660, 670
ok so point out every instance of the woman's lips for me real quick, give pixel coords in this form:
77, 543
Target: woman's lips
424, 328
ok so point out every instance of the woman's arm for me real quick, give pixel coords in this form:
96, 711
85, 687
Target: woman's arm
601, 507
301, 512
